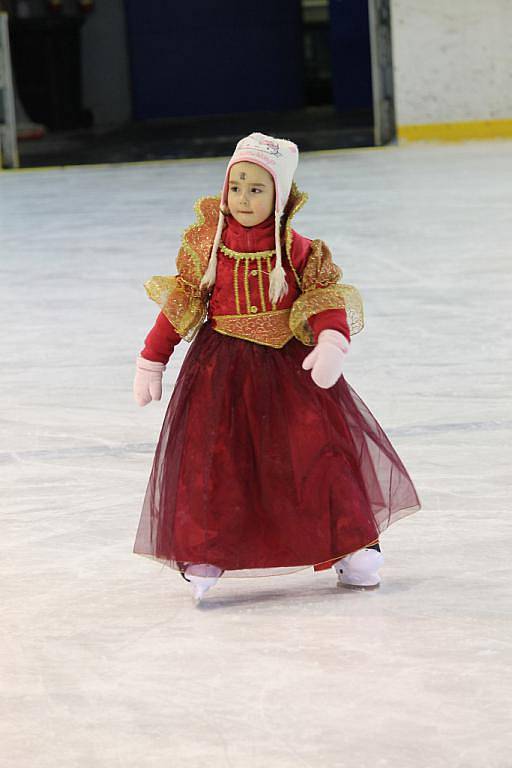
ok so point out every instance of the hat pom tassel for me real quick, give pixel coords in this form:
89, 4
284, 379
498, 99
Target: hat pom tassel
278, 286
208, 279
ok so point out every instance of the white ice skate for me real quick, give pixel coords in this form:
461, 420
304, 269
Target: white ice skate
360, 569
202, 578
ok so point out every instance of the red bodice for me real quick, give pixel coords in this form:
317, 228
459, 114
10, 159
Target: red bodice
244, 260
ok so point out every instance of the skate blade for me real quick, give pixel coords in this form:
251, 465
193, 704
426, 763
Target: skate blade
358, 587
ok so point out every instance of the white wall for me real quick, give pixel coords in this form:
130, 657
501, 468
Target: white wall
105, 67
452, 60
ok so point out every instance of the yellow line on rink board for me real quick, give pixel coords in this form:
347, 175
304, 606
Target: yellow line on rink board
467, 131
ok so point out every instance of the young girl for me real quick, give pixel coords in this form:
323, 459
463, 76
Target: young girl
267, 461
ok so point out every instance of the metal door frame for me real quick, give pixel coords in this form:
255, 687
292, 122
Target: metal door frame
384, 121
8, 139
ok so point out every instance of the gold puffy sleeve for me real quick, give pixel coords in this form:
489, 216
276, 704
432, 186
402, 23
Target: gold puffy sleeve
180, 296
322, 289
182, 303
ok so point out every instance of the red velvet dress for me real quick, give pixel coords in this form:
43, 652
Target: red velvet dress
258, 470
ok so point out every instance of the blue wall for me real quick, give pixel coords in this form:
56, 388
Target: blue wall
351, 58
214, 56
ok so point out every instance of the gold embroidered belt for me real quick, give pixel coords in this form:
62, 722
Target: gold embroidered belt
269, 328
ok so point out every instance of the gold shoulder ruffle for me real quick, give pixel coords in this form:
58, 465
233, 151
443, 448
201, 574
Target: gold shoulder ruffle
180, 297
322, 289
197, 240
296, 201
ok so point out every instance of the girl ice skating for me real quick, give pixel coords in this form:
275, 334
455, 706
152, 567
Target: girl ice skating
267, 461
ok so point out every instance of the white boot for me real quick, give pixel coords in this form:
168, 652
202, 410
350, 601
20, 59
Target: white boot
202, 577
360, 569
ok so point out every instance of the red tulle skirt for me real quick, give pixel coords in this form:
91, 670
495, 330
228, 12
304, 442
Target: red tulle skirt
259, 471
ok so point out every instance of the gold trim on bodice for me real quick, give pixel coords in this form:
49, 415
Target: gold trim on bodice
272, 329
248, 255
242, 260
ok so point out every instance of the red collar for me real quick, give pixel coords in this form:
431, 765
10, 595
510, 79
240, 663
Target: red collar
249, 239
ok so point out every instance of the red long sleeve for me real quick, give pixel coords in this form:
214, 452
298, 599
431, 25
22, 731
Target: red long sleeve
160, 341
335, 319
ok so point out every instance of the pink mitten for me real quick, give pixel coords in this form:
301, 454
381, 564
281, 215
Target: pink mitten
326, 359
147, 385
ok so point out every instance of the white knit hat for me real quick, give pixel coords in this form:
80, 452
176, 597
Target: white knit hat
280, 158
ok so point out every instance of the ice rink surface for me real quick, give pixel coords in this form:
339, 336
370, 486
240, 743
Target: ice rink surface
105, 661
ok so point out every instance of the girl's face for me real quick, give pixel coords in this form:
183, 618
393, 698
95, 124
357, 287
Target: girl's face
251, 197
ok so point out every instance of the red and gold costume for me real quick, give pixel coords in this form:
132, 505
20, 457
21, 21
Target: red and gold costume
258, 470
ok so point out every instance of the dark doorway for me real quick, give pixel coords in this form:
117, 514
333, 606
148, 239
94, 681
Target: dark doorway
206, 73
337, 59
316, 31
